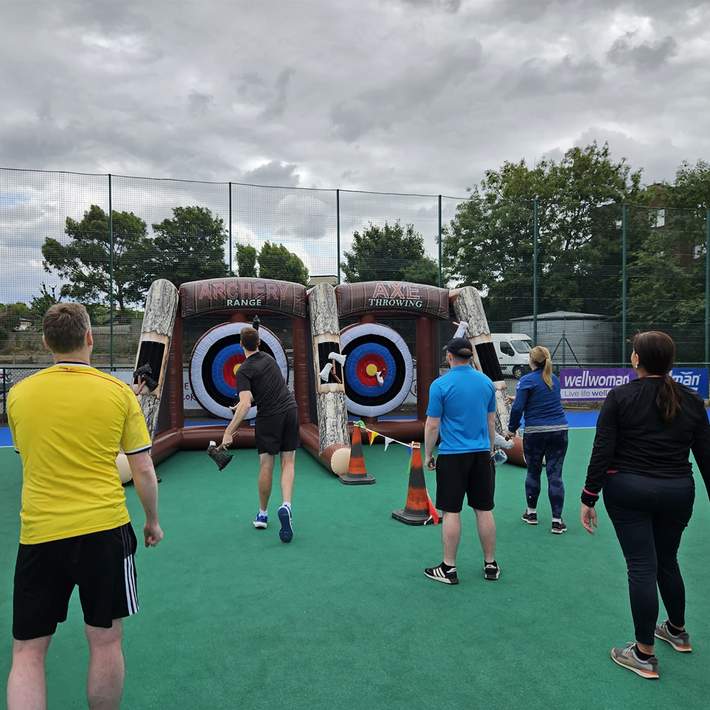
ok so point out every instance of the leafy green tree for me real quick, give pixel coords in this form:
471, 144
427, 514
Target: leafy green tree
389, 253
10, 315
489, 243
246, 260
277, 262
667, 267
187, 247
40, 304
422, 271
84, 262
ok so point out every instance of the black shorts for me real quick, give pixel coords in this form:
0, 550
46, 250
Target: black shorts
472, 474
101, 564
277, 433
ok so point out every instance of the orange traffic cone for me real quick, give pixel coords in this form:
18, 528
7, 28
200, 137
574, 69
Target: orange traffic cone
357, 473
418, 509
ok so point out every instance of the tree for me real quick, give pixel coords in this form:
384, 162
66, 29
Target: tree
489, 243
246, 260
40, 304
186, 247
667, 267
389, 253
277, 262
10, 315
85, 261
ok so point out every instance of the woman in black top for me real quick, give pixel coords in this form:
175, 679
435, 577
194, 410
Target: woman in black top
645, 432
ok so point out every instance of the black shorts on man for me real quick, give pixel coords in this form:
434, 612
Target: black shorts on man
277, 433
101, 564
468, 474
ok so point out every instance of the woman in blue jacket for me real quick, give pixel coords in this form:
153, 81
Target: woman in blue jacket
538, 399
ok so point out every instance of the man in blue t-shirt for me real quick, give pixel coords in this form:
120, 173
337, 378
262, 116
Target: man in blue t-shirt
462, 410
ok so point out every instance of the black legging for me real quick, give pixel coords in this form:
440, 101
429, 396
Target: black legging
649, 516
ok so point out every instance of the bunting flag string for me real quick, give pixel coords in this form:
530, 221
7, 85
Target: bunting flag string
388, 439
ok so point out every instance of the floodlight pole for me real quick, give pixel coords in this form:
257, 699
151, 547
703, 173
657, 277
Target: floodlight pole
441, 276
110, 274
624, 281
231, 258
536, 237
337, 232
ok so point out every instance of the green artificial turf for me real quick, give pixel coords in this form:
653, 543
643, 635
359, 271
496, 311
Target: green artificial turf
343, 617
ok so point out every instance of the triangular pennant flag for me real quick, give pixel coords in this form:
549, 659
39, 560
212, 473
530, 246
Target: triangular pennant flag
373, 436
388, 441
433, 512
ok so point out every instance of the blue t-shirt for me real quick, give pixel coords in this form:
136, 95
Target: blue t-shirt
541, 405
462, 398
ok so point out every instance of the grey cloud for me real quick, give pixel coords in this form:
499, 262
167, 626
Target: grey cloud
537, 77
199, 103
277, 105
400, 99
446, 5
644, 56
273, 173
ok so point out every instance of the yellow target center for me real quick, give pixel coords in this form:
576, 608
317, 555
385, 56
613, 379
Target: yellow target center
236, 367
371, 369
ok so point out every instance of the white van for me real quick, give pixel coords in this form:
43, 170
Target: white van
512, 350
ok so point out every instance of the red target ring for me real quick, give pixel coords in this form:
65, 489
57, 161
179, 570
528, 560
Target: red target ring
368, 363
229, 371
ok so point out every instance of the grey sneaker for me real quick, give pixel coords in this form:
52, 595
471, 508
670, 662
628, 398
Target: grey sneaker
529, 518
626, 658
680, 642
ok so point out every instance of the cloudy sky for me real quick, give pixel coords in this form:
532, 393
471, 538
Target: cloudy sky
414, 96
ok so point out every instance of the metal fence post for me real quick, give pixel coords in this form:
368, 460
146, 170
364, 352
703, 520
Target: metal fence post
624, 281
707, 287
536, 239
441, 276
231, 262
110, 274
337, 232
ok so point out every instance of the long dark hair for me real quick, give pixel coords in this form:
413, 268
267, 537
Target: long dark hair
656, 353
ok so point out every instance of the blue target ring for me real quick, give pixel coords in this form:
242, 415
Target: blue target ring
368, 387
212, 366
372, 348
222, 373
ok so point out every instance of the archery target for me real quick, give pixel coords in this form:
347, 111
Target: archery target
378, 369
215, 361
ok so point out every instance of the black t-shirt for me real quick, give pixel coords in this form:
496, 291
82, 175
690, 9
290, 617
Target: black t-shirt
633, 438
260, 375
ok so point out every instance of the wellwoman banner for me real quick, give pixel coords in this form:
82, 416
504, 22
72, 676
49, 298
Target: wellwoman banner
594, 383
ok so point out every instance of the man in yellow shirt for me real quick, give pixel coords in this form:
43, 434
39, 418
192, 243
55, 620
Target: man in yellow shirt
68, 423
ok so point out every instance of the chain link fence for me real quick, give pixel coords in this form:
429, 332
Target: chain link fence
580, 278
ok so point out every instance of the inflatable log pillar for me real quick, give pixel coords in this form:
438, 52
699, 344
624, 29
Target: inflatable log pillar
152, 357
333, 447
469, 308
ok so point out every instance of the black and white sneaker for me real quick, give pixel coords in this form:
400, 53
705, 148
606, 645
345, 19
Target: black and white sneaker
529, 518
439, 574
558, 527
491, 571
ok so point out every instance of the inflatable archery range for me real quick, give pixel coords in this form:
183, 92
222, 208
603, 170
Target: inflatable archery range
204, 338
348, 361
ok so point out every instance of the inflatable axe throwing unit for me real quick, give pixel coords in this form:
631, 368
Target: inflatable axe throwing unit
362, 371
